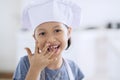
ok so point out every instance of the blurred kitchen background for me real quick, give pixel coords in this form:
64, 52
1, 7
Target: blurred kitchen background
95, 44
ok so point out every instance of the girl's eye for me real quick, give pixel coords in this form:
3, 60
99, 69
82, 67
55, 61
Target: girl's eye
42, 33
57, 30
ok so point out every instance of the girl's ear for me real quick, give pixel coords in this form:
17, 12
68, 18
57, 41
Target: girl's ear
34, 37
69, 32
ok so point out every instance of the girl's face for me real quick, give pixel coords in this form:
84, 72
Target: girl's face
54, 33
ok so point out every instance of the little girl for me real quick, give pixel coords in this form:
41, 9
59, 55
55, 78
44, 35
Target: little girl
51, 21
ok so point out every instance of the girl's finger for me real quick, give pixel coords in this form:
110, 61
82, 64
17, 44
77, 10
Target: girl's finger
49, 54
55, 54
28, 52
45, 49
51, 60
36, 48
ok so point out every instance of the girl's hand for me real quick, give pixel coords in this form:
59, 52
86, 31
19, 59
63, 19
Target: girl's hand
40, 59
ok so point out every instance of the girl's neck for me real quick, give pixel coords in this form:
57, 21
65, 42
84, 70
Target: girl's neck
56, 64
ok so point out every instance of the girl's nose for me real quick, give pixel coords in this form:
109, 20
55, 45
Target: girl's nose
51, 40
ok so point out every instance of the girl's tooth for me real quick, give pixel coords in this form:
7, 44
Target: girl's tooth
51, 47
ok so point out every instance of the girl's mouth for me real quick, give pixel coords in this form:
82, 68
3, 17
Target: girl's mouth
53, 47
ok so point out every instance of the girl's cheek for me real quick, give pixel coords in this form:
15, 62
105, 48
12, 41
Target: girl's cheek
64, 42
40, 44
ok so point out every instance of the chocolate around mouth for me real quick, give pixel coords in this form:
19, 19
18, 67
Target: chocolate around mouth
51, 48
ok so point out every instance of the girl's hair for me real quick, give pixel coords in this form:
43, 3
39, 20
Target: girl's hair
68, 43
69, 40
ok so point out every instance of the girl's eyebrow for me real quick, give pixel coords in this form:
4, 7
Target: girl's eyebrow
41, 29
56, 26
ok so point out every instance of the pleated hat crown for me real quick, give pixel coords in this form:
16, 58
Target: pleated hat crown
41, 11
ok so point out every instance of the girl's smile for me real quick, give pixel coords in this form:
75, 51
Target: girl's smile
53, 47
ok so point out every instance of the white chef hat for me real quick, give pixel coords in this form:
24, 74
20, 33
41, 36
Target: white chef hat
40, 11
